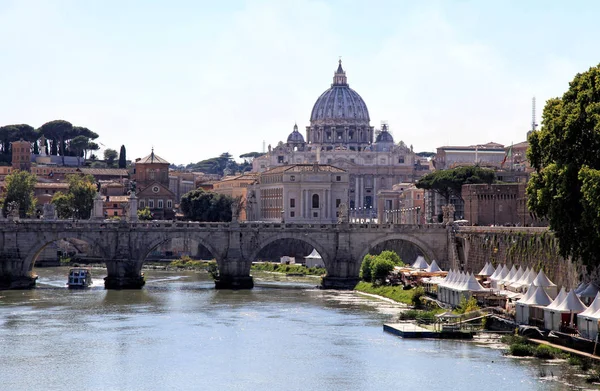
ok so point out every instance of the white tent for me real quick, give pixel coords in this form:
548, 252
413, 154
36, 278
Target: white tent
587, 321
420, 263
509, 276
433, 267
496, 273
543, 281
589, 292
581, 287
487, 270
517, 276
313, 259
496, 281
523, 281
533, 304
553, 315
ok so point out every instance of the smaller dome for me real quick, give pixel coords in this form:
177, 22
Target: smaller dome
384, 137
295, 137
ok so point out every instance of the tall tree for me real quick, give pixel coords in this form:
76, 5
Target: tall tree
110, 155
122, 157
79, 199
565, 153
20, 189
200, 205
57, 131
449, 182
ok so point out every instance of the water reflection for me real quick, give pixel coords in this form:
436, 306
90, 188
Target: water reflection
180, 333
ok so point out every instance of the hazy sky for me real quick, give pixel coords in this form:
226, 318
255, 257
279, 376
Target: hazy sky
198, 78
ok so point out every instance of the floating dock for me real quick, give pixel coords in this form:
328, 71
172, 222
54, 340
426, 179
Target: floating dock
411, 330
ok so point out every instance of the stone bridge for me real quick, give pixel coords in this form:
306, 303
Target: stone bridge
124, 246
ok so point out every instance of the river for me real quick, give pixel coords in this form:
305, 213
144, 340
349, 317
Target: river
179, 333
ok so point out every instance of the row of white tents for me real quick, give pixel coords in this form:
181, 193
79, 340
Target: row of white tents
457, 285
421, 264
517, 279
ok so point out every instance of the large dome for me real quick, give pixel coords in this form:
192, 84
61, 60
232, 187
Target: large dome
340, 105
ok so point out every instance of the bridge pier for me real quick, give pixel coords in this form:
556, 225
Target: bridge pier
234, 282
340, 283
17, 282
123, 274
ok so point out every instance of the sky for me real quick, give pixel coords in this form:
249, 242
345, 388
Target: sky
194, 79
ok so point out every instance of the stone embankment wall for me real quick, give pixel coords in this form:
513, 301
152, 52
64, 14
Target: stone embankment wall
533, 247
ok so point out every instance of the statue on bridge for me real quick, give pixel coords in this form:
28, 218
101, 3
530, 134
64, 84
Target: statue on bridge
342, 213
237, 205
448, 214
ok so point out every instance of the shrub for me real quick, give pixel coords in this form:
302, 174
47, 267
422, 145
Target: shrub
521, 350
546, 352
380, 269
365, 267
417, 293
467, 305
391, 256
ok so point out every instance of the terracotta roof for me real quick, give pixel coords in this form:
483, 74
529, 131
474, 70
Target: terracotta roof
480, 147
105, 171
304, 168
152, 158
55, 185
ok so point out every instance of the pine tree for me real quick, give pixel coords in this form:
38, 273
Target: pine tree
122, 158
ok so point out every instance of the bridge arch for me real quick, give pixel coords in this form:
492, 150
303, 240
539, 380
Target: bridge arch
40, 244
421, 245
305, 237
164, 239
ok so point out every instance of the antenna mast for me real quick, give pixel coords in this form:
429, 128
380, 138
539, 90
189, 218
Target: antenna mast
533, 124
263, 151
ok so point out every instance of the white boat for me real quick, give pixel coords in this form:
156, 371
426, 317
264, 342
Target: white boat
79, 277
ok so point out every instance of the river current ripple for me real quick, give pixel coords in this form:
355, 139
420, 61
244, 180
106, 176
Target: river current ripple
179, 333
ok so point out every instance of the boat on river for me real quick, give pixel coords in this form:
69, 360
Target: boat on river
79, 277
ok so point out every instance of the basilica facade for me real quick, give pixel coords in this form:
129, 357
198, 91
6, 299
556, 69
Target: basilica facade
340, 134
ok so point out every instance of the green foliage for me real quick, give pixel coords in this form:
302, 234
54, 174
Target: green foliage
417, 293
110, 155
396, 293
200, 205
187, 262
288, 269
365, 267
20, 190
122, 157
466, 306
380, 269
546, 352
392, 257
144, 214
521, 350
565, 154
79, 200
223, 164
449, 182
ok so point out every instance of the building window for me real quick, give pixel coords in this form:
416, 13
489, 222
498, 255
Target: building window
338, 178
142, 204
292, 178
329, 161
351, 160
337, 202
160, 204
315, 214
315, 201
151, 204
115, 213
292, 214
292, 202
401, 159
279, 159
169, 204
339, 135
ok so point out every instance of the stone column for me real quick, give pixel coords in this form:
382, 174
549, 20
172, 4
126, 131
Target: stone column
98, 210
234, 270
124, 274
132, 216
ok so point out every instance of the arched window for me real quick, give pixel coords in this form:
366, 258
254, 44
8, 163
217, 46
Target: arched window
315, 201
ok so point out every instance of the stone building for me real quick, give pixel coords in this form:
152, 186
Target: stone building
404, 204
301, 193
21, 155
151, 175
495, 204
340, 134
236, 186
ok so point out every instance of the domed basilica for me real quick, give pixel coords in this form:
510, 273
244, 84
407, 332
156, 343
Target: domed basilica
340, 134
